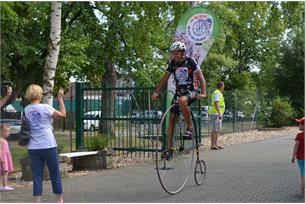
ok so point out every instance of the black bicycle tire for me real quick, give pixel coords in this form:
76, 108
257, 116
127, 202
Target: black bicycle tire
202, 164
157, 157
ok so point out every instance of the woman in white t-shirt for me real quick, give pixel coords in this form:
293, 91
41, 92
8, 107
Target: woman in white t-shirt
42, 146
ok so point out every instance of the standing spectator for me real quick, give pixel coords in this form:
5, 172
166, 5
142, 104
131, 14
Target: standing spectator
216, 114
42, 146
6, 97
298, 152
6, 163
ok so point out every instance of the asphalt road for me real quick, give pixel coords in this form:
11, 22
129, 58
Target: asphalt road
255, 172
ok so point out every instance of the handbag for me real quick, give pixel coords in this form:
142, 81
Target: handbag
24, 135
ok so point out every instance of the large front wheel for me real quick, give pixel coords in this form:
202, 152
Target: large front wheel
173, 172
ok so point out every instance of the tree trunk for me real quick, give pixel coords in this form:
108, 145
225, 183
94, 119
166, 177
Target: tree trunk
53, 52
108, 99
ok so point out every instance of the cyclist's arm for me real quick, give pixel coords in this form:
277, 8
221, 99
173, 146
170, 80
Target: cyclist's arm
202, 82
163, 82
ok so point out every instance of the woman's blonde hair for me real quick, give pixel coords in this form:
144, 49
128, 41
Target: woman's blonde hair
34, 92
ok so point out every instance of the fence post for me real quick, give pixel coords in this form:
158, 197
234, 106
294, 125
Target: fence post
79, 99
70, 117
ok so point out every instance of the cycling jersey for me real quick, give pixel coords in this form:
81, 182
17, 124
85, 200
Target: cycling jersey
184, 74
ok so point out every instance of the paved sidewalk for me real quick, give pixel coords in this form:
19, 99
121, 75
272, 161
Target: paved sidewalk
255, 172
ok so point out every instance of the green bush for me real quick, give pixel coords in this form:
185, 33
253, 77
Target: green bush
282, 112
60, 148
278, 114
98, 142
264, 117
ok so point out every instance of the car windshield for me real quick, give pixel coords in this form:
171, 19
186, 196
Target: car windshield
205, 108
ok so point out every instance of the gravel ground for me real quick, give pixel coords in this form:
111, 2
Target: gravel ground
224, 141
250, 136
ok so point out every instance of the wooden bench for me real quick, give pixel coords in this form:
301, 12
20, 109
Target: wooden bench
90, 159
78, 154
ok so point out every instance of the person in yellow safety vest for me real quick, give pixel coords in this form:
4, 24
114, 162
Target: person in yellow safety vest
216, 113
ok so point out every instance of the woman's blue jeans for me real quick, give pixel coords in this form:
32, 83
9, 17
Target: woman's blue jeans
38, 158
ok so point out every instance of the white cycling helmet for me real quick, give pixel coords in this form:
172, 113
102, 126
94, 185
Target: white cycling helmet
177, 46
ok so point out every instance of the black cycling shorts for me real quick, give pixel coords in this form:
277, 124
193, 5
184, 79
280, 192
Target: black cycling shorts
191, 98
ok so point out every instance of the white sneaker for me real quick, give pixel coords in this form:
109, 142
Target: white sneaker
7, 188
1, 189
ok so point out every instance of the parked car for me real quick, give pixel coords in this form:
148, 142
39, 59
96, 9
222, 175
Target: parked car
228, 115
135, 115
240, 115
205, 113
151, 114
144, 115
91, 120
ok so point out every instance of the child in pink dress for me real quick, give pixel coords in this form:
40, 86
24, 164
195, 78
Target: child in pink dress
6, 163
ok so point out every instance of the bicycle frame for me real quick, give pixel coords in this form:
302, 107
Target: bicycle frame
195, 129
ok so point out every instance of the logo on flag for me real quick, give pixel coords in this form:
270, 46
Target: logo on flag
199, 28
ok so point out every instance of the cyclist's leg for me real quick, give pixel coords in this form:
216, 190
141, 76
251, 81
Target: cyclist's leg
170, 130
170, 133
183, 104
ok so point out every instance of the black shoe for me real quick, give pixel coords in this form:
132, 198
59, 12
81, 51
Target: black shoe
188, 135
168, 154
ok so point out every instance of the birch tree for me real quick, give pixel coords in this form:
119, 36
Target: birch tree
53, 52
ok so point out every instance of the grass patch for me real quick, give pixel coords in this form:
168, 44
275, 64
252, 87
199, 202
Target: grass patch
18, 152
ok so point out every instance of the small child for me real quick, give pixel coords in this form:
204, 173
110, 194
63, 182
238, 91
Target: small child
298, 152
6, 164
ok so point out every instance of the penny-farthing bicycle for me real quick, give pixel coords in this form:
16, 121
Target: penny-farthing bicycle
173, 172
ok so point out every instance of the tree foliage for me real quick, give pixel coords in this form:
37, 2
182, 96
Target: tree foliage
289, 76
132, 40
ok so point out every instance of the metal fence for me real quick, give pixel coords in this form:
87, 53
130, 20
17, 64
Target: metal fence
240, 115
128, 117
125, 115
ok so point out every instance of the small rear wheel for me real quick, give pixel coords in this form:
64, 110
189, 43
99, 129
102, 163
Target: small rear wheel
200, 172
